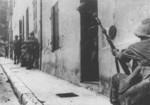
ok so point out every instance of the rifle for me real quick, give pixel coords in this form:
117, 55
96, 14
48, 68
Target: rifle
109, 41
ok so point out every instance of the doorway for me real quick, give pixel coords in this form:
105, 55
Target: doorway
89, 41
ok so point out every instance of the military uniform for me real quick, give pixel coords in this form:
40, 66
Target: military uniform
6, 50
25, 57
29, 54
17, 50
36, 54
132, 88
33, 52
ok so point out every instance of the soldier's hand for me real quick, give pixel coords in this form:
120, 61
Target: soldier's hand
115, 52
104, 31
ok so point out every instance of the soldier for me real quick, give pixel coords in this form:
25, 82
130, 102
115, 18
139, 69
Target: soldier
19, 47
16, 50
134, 89
34, 51
23, 53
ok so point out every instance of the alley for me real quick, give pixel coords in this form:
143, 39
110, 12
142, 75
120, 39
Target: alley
74, 52
7, 96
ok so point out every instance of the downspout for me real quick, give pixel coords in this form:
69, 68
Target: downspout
41, 40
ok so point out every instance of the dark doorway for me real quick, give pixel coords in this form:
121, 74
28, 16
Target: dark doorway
89, 41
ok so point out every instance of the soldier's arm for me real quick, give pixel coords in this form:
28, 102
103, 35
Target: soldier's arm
123, 59
122, 55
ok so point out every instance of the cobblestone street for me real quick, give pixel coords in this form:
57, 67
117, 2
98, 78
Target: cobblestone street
7, 96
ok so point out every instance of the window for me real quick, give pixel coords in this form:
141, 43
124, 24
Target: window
27, 23
20, 27
23, 27
35, 15
55, 27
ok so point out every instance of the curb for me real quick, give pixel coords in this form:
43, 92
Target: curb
25, 96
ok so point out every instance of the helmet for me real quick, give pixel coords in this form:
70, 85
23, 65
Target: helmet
144, 29
16, 36
32, 33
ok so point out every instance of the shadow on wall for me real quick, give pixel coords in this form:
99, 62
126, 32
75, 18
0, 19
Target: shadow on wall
48, 61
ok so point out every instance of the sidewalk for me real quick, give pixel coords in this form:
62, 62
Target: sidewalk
42, 89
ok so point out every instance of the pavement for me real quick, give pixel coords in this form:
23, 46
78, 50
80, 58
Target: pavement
7, 96
34, 87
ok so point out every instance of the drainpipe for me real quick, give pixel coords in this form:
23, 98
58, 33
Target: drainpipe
41, 40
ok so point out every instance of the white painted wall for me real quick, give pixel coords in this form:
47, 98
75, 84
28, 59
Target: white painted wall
20, 11
65, 62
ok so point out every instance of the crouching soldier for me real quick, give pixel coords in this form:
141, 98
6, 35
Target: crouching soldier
133, 88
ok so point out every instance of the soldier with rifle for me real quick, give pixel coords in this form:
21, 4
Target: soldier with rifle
133, 88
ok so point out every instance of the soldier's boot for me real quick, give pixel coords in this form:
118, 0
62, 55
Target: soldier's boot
15, 61
114, 91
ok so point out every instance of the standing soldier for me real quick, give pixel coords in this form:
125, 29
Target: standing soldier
34, 51
16, 50
134, 89
19, 45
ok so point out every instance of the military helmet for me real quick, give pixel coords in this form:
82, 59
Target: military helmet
32, 33
16, 36
144, 29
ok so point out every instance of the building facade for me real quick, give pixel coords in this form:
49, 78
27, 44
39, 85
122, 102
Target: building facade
73, 47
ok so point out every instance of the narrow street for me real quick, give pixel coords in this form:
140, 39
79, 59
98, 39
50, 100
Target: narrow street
7, 96
34, 87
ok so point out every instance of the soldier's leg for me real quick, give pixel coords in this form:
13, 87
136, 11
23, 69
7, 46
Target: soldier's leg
17, 61
15, 58
29, 61
115, 82
137, 92
130, 80
36, 61
124, 66
19, 57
